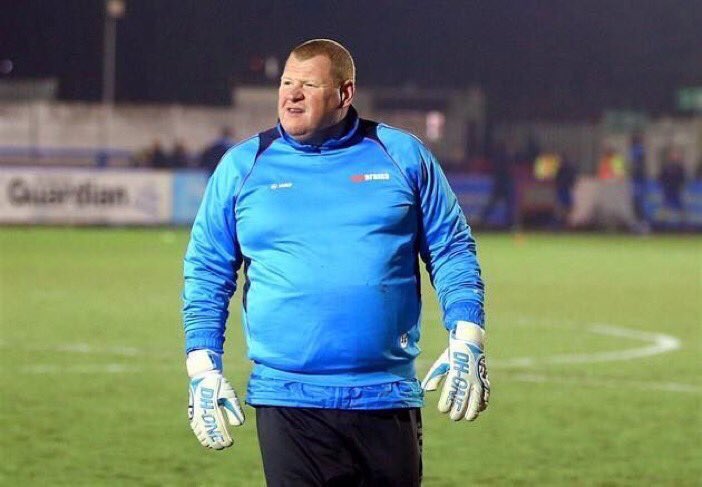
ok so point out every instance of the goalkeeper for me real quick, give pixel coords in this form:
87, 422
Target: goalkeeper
327, 215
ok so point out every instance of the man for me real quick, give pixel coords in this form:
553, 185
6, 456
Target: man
502, 185
566, 177
637, 161
672, 182
327, 213
211, 156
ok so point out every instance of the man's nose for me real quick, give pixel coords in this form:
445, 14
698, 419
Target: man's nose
296, 93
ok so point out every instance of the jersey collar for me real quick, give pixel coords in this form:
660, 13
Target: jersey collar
348, 138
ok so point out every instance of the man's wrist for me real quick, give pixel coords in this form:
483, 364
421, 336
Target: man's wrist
470, 311
204, 338
200, 361
469, 332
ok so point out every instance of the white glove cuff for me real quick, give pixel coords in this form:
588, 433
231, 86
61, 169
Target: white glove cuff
201, 361
469, 332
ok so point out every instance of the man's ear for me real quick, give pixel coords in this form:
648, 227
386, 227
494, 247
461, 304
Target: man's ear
346, 92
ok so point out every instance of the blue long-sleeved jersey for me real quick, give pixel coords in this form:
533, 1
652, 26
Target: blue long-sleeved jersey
329, 238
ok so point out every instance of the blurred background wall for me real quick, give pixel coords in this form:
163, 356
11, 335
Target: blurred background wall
548, 116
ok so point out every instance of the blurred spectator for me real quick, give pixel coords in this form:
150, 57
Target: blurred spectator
698, 171
102, 159
525, 158
211, 155
637, 165
533, 149
546, 166
672, 181
565, 181
611, 166
156, 157
179, 157
502, 185
141, 158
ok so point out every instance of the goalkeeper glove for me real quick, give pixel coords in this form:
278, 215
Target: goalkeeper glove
466, 389
211, 395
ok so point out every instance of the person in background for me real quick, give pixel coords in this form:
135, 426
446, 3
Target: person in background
156, 156
566, 176
672, 181
637, 165
698, 171
211, 156
611, 166
531, 150
179, 157
546, 166
502, 185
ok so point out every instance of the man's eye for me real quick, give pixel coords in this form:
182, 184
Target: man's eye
310, 85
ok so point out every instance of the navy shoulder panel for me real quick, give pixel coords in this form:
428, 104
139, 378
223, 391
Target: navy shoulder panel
369, 129
265, 139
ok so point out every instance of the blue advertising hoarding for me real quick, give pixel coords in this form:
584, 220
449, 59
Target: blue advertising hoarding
188, 188
473, 193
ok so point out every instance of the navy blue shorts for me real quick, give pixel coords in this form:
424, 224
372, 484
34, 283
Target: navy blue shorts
336, 447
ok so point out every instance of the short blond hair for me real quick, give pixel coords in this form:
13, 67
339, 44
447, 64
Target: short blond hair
342, 65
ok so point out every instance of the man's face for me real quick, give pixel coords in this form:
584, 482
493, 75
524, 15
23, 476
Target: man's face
309, 100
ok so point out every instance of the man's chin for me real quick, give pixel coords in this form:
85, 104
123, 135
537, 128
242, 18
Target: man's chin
297, 132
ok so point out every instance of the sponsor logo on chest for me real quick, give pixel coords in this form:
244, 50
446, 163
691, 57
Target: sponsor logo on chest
374, 176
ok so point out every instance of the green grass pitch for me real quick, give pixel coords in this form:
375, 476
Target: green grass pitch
594, 354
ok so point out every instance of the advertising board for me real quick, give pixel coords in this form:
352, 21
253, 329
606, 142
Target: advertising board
41, 195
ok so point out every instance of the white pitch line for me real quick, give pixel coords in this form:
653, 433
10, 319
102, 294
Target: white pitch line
109, 368
46, 369
86, 348
658, 343
610, 384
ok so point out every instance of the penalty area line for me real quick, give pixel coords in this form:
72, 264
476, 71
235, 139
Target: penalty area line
655, 344
609, 384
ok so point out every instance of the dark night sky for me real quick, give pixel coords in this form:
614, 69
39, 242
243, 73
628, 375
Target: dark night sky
549, 58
